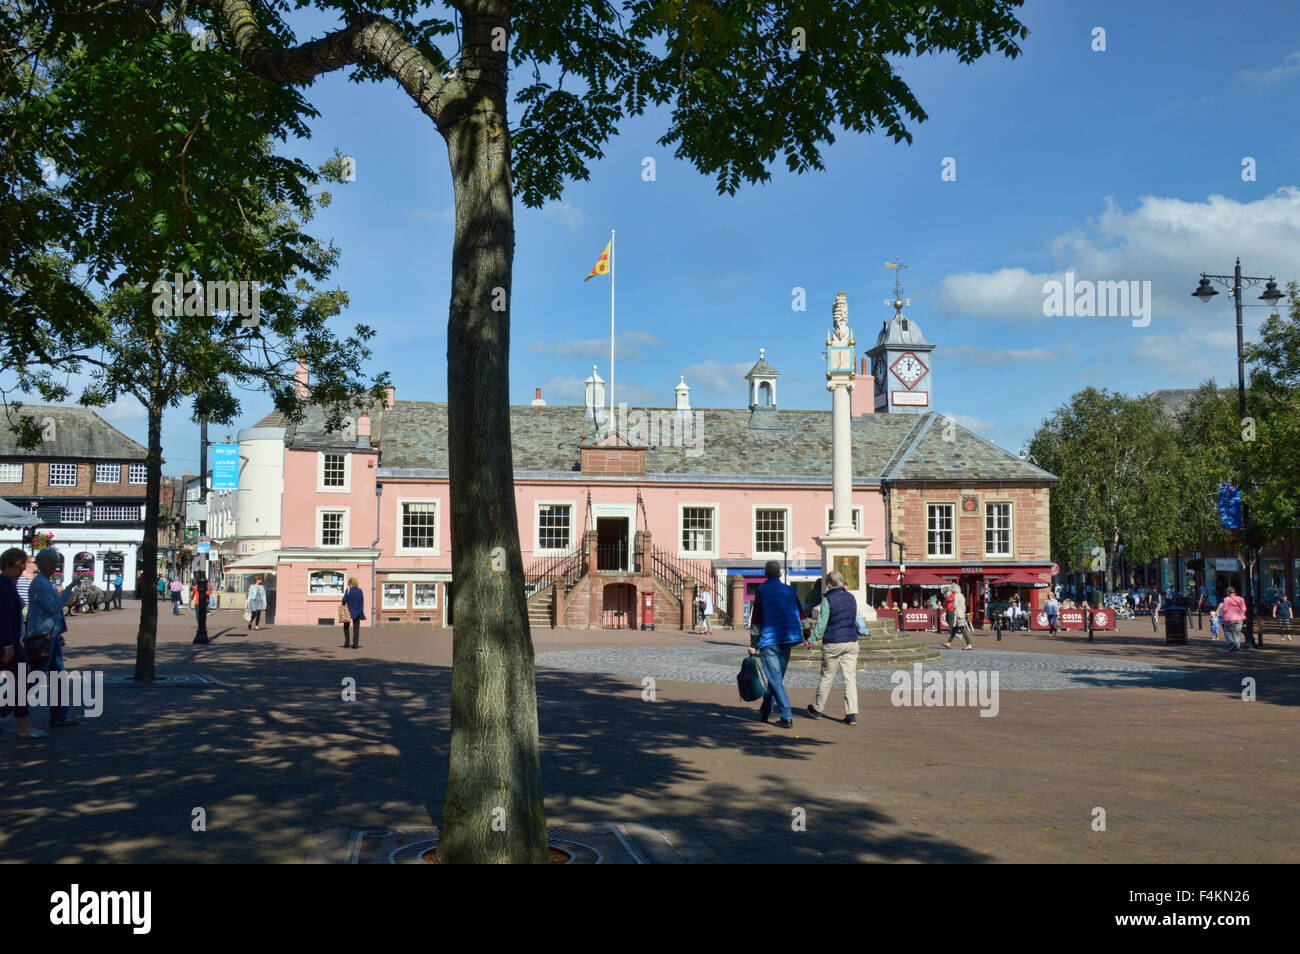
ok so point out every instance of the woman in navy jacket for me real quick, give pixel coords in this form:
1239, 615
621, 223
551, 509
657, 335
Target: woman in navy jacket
355, 601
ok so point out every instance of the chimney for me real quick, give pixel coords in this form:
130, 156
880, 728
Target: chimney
363, 431
389, 395
862, 399
301, 376
537, 398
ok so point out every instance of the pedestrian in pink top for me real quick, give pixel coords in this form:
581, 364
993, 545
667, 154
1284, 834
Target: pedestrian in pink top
1232, 613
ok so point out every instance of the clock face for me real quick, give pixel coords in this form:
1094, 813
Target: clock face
909, 370
878, 369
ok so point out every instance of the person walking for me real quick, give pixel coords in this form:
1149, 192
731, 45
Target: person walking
194, 595
959, 623
117, 591
24, 582
949, 601
1232, 613
1053, 610
13, 563
837, 630
46, 625
256, 603
774, 630
706, 610
176, 597
1282, 613
355, 601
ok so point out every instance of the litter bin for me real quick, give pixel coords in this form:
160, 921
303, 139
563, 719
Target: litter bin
1176, 626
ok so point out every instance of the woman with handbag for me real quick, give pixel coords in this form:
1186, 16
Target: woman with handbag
256, 603
352, 611
45, 625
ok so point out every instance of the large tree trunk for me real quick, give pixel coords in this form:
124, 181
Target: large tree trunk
493, 809
147, 635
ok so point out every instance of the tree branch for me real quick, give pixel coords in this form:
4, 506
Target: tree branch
370, 38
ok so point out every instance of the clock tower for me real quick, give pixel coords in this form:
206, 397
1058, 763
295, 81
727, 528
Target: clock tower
900, 361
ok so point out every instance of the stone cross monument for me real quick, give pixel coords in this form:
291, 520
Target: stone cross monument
844, 548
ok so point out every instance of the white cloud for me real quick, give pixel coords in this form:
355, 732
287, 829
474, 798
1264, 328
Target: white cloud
1165, 241
718, 377
627, 346
573, 390
1290, 67
568, 215
980, 427
973, 354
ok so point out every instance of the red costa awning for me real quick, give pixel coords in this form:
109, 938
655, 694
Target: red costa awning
1020, 578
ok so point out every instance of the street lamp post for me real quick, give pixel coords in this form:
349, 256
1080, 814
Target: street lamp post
201, 603
1204, 291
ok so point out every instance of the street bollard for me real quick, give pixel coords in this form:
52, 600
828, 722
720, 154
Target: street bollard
997, 624
1088, 616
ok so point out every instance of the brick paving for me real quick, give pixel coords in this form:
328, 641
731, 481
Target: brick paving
1183, 768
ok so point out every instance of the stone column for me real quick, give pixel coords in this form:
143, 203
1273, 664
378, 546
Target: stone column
688, 604
737, 602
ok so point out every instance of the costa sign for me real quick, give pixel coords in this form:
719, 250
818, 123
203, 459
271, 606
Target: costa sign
916, 619
1075, 619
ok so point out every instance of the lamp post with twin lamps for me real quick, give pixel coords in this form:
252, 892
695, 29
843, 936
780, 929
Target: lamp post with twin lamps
1205, 291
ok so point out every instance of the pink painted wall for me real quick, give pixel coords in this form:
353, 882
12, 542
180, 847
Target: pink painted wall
302, 498
734, 530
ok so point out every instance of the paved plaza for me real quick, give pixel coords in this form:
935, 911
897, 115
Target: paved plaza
253, 730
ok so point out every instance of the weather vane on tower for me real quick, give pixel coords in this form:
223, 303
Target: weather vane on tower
898, 301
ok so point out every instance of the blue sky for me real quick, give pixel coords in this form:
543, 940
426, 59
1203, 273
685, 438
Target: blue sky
1118, 165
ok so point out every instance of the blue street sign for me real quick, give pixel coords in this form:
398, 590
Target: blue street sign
205, 546
1229, 507
225, 467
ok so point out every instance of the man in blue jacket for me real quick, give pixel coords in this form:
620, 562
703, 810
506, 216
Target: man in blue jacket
774, 630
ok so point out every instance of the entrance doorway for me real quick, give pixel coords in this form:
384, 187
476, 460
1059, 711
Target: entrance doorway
613, 543
619, 606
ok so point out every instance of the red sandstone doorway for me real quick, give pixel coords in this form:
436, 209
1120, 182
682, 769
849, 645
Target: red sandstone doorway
619, 606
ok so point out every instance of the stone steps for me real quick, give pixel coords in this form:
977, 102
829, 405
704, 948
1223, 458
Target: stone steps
889, 651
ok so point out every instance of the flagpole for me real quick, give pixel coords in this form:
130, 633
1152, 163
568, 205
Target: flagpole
611, 327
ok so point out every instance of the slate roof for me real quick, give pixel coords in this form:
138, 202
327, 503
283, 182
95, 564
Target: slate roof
892, 334
789, 444
761, 369
78, 433
310, 432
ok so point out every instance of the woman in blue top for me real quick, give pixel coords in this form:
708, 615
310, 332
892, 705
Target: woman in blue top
355, 601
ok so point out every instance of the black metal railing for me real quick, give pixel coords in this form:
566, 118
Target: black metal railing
673, 571
612, 557
564, 568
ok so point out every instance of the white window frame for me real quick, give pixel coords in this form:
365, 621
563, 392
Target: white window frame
383, 595
952, 530
311, 574
858, 516
1011, 529
417, 606
538, 550
712, 554
347, 473
70, 514
115, 479
141, 469
3, 471
320, 528
753, 531
49, 475
436, 549
117, 513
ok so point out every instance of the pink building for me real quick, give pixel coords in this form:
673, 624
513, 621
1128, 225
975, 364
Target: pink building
620, 523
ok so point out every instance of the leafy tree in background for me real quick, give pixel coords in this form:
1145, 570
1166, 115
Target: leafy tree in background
176, 176
744, 84
1118, 465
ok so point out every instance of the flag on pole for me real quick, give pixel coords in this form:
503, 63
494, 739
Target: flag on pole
602, 264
